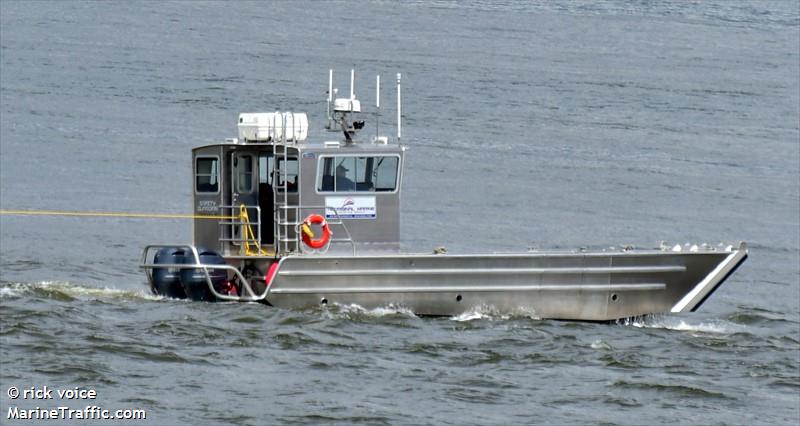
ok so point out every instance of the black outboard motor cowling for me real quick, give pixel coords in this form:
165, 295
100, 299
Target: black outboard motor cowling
167, 281
194, 281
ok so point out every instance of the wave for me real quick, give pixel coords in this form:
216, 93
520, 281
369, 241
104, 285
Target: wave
357, 312
759, 316
681, 389
67, 291
662, 321
472, 315
354, 311
491, 313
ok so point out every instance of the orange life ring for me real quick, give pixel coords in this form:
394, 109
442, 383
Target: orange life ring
308, 235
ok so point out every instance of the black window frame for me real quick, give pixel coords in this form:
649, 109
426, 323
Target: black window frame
197, 174
239, 174
321, 173
269, 160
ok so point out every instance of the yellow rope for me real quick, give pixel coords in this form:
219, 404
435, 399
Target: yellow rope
113, 214
251, 245
252, 248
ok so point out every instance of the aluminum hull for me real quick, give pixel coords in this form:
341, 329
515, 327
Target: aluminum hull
577, 286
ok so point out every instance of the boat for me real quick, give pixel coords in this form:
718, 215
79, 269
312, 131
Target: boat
296, 223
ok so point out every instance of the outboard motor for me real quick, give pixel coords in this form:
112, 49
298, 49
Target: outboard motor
167, 281
194, 280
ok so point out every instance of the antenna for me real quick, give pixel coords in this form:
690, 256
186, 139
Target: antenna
343, 110
398, 108
330, 96
352, 80
377, 104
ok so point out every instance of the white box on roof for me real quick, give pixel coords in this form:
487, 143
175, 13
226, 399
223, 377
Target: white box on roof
346, 105
269, 126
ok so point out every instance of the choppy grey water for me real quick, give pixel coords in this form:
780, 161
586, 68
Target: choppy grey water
547, 124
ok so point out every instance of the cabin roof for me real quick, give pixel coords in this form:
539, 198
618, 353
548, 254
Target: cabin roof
328, 146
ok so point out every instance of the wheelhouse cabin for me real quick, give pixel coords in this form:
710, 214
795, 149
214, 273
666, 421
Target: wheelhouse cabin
252, 194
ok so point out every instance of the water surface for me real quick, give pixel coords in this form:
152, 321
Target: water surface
545, 125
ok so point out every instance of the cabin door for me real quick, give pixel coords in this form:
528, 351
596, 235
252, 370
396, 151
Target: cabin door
266, 196
243, 191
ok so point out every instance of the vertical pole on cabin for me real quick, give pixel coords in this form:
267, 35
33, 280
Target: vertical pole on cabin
352, 89
398, 108
377, 105
330, 97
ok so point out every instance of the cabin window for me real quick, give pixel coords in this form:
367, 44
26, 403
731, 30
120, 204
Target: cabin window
358, 174
245, 175
267, 173
265, 168
207, 174
290, 170
385, 173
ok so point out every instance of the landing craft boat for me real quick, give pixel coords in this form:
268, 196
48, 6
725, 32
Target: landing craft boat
294, 223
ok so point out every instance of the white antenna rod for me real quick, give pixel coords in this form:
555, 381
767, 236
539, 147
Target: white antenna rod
377, 104
352, 80
330, 86
330, 95
398, 109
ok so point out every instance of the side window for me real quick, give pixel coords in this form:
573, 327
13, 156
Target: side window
290, 172
267, 173
245, 174
362, 175
358, 174
345, 179
266, 166
384, 174
327, 176
206, 174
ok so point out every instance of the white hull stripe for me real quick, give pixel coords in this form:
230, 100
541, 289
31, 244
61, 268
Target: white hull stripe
709, 282
484, 271
464, 289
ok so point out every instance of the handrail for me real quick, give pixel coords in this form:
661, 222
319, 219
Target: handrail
338, 221
247, 237
253, 297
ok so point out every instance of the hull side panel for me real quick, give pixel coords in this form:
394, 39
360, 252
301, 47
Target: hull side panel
597, 286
